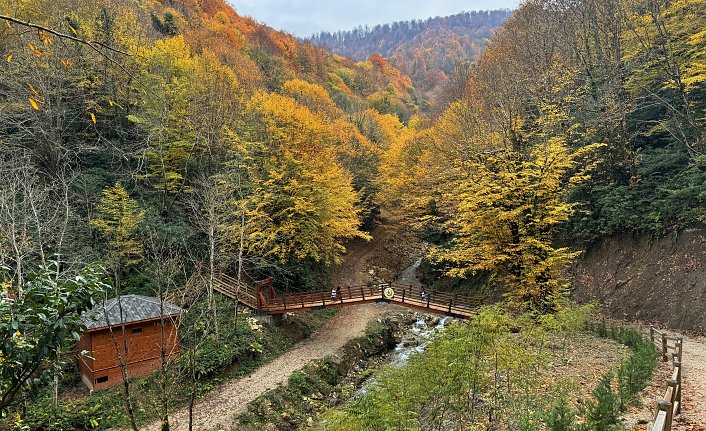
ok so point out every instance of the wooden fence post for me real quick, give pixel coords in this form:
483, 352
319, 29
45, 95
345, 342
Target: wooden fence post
666, 406
672, 384
677, 366
664, 347
652, 334
679, 345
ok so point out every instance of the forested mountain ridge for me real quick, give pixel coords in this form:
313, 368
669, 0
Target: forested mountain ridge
426, 50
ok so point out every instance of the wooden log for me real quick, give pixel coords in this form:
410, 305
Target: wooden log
660, 421
673, 386
666, 406
680, 345
677, 366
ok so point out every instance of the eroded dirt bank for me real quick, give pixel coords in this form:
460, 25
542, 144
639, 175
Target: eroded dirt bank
652, 280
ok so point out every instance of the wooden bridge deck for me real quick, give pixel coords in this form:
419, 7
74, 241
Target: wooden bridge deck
263, 298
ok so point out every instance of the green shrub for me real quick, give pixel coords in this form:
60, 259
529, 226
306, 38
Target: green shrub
635, 372
561, 417
73, 415
526, 423
602, 413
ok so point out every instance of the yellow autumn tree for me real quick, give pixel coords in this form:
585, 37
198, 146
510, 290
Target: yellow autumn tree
302, 203
503, 165
188, 103
117, 221
312, 96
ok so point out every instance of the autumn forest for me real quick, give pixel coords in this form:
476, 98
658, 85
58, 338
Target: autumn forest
148, 146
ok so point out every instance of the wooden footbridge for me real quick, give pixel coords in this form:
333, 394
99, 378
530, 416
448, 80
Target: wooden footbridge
264, 299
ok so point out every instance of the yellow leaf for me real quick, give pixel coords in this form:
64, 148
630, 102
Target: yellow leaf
34, 49
9, 58
110, 102
73, 30
44, 38
34, 90
34, 104
93, 117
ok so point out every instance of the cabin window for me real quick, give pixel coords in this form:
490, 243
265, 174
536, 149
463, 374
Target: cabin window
137, 331
102, 379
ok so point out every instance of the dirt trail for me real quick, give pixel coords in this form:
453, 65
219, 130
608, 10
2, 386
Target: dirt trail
694, 380
220, 408
693, 413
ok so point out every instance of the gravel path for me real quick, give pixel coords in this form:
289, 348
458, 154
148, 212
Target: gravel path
694, 380
220, 408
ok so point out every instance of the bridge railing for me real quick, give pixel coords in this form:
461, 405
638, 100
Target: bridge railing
441, 302
307, 300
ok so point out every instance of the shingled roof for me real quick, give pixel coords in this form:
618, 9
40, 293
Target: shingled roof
136, 308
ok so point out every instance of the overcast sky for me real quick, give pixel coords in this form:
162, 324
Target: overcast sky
305, 17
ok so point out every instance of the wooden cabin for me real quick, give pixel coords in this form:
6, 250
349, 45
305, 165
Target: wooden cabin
142, 319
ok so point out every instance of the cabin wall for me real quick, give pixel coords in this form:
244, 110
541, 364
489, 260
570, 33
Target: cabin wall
143, 346
85, 362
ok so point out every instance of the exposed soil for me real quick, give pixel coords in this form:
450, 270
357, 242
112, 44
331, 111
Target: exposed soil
584, 360
639, 278
661, 281
394, 247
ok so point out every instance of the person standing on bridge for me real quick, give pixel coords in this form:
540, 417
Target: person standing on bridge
338, 292
422, 292
334, 291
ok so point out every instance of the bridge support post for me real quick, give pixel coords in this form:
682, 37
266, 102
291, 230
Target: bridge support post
269, 319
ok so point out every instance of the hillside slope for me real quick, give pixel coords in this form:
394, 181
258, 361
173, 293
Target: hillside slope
634, 277
427, 51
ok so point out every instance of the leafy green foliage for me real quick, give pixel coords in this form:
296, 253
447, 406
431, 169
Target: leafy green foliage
635, 372
42, 321
72, 415
466, 374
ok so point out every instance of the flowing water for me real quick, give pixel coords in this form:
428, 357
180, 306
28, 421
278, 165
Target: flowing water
419, 336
